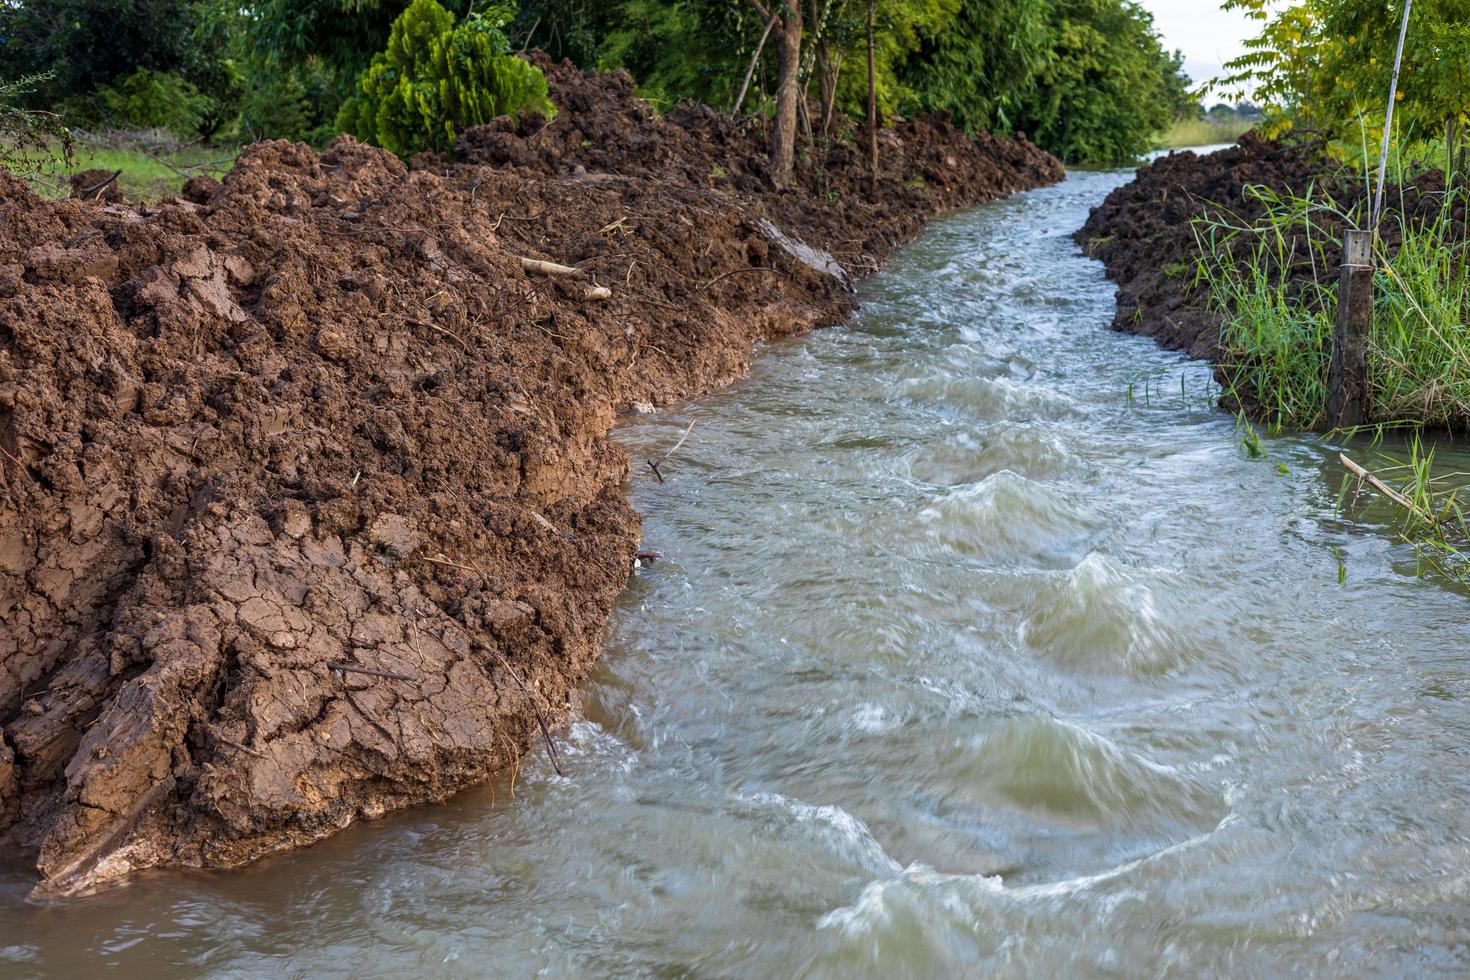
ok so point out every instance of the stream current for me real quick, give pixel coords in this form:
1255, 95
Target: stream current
978, 647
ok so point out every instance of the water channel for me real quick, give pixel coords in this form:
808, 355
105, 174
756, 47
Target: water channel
978, 647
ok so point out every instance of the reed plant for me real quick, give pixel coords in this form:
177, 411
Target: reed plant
1431, 509
1273, 280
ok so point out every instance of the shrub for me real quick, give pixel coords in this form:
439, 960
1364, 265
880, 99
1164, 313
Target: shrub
149, 99
437, 78
30, 141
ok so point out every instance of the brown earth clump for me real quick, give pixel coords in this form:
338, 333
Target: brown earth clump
308, 509
1142, 231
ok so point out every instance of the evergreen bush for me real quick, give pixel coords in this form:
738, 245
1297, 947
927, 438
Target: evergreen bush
437, 78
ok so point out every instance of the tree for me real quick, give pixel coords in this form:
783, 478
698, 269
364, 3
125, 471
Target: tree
788, 88
437, 78
1104, 91
1326, 65
983, 66
77, 46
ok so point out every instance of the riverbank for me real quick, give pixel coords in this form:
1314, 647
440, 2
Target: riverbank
1233, 256
309, 510
1142, 234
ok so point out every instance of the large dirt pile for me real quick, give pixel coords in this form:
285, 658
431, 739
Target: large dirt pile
926, 164
1142, 231
308, 509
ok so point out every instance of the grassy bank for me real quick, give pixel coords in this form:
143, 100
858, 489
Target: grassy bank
152, 166
1274, 283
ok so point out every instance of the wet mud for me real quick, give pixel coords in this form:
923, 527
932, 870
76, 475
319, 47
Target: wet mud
308, 508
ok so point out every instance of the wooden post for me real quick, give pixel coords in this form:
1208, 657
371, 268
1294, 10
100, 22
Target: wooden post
1347, 374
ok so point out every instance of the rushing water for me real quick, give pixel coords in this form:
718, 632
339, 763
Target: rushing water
958, 662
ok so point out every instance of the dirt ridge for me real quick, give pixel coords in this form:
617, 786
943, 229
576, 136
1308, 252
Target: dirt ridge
309, 510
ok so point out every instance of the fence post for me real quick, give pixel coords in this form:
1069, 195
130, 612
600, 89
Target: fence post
1347, 374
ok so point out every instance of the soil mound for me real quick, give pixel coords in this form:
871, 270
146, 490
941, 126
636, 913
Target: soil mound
307, 506
1143, 236
1142, 232
927, 165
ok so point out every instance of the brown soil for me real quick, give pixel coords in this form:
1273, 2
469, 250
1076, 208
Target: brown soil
1142, 231
317, 414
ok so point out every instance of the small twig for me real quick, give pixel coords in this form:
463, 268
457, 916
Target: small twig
354, 669
453, 336
736, 272
545, 732
25, 470
654, 464
236, 745
441, 560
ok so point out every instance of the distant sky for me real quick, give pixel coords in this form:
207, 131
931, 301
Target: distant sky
1207, 35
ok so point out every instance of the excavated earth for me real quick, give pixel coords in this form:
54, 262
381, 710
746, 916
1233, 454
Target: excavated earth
308, 508
1143, 235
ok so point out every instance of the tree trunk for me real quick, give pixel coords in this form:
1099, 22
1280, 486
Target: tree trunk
788, 94
872, 91
826, 85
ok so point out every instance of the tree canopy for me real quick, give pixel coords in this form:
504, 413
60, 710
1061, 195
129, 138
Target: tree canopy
1327, 65
1087, 79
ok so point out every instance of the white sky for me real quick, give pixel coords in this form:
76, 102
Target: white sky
1207, 35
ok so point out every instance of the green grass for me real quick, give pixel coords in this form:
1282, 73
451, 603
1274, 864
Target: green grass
1200, 132
1276, 333
1429, 514
151, 168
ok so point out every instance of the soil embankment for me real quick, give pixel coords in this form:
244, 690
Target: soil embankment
1142, 231
1142, 234
309, 510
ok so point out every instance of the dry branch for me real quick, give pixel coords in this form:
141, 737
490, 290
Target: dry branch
1377, 484
543, 268
654, 464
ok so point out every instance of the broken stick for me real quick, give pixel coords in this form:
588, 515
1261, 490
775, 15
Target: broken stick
544, 268
654, 464
1377, 484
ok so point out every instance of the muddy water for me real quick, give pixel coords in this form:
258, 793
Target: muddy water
959, 661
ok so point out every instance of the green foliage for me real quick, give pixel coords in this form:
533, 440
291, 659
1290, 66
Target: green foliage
983, 68
1277, 329
83, 45
149, 99
675, 50
30, 140
343, 35
436, 78
1086, 79
1106, 89
1327, 64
